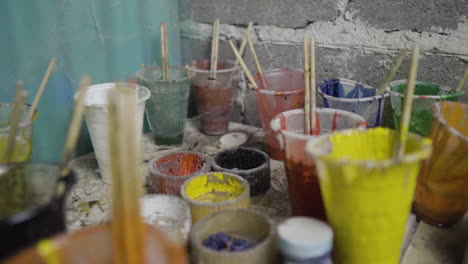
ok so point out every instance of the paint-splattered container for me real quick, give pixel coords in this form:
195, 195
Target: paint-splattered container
97, 106
303, 183
243, 223
353, 97
93, 245
215, 191
249, 163
285, 92
426, 94
169, 214
168, 173
32, 197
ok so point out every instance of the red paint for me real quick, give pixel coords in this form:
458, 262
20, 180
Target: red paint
317, 125
361, 124
180, 164
335, 117
423, 97
282, 122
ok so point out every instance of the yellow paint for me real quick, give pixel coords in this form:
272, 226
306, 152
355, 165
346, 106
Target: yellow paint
21, 152
368, 204
213, 187
49, 251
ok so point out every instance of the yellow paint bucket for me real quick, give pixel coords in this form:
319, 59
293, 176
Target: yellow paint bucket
367, 193
215, 191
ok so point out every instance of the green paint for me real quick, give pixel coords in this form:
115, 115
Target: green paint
421, 115
109, 40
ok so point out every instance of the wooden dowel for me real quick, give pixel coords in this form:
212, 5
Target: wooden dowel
391, 73
462, 82
244, 42
16, 116
313, 101
257, 63
45, 79
164, 52
243, 65
214, 49
407, 104
307, 121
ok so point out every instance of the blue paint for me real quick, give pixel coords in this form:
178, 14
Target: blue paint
334, 88
224, 242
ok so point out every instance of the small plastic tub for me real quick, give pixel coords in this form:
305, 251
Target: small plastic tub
170, 172
249, 163
168, 213
215, 191
244, 224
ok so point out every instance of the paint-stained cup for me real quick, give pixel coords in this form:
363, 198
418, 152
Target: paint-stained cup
353, 97
171, 171
441, 197
96, 111
285, 92
425, 95
303, 185
167, 107
23, 139
367, 192
213, 94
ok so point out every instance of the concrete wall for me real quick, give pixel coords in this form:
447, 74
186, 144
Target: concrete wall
356, 39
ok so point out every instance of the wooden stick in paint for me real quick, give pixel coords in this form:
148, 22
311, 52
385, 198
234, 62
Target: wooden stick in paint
214, 48
244, 42
257, 63
391, 73
127, 225
462, 82
313, 101
164, 52
17, 113
45, 79
243, 65
75, 125
307, 124
407, 104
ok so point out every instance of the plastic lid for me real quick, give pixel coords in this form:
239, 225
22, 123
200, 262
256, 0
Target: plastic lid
234, 139
304, 237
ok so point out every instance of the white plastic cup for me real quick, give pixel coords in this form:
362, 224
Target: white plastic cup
97, 103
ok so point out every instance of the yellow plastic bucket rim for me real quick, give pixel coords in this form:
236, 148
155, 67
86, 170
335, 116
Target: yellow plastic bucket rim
315, 148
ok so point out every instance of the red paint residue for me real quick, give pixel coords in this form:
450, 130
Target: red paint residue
361, 124
180, 164
282, 122
335, 117
317, 125
423, 97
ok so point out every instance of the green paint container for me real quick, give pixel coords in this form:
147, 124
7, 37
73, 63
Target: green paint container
425, 95
167, 106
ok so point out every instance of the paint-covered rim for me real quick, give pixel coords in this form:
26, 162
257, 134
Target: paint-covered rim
263, 166
436, 97
279, 93
318, 149
107, 86
234, 200
29, 213
230, 67
140, 74
349, 100
154, 170
260, 247
440, 117
23, 124
275, 123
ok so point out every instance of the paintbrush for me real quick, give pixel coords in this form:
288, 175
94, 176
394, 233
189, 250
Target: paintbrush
307, 121
313, 100
407, 105
45, 79
243, 65
16, 116
257, 63
244, 42
127, 225
164, 52
461, 84
214, 49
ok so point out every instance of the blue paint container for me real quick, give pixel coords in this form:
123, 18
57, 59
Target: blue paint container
354, 97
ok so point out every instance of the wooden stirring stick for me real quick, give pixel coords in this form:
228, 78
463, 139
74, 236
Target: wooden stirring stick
127, 225
214, 49
164, 52
244, 42
462, 82
307, 121
17, 114
257, 63
244, 66
407, 105
313, 100
45, 79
